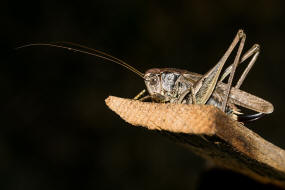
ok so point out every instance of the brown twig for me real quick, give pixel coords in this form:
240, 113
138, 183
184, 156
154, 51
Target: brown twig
211, 134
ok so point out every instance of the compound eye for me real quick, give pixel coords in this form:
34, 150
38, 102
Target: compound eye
153, 81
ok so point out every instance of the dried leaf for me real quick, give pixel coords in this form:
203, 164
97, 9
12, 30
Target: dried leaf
210, 133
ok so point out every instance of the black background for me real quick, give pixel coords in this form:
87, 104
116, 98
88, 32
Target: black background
56, 131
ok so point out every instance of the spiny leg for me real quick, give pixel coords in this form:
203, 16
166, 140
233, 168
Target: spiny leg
236, 61
203, 88
249, 66
139, 95
254, 50
145, 98
140, 98
184, 94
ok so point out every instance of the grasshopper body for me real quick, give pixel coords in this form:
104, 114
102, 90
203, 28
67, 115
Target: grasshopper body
169, 85
172, 85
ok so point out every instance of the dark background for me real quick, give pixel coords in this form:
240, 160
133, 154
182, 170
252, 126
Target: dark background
56, 131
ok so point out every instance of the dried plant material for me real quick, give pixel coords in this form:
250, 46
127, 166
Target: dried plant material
171, 117
209, 132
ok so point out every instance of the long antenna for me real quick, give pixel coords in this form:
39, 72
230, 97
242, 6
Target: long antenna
86, 50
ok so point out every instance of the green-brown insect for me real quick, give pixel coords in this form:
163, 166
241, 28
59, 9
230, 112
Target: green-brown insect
169, 85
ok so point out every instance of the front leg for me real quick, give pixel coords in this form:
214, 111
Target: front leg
145, 98
184, 94
139, 95
140, 98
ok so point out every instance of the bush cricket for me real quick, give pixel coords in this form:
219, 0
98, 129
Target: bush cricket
170, 85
